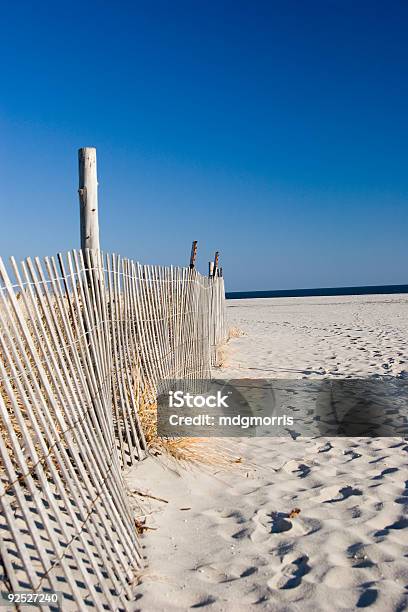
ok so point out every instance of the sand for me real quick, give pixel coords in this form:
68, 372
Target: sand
225, 539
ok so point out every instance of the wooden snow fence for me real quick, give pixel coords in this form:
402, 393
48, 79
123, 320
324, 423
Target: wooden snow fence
82, 338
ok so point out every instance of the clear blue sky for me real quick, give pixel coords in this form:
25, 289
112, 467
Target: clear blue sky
276, 132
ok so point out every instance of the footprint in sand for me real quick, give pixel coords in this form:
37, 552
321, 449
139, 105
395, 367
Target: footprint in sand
367, 598
291, 574
355, 512
344, 493
294, 467
249, 571
329, 495
352, 454
326, 448
401, 523
303, 470
233, 514
403, 498
280, 522
384, 473
206, 601
359, 556
274, 523
209, 573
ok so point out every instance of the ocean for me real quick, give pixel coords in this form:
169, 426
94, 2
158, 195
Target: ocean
369, 290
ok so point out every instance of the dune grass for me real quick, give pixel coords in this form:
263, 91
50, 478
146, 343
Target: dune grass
187, 450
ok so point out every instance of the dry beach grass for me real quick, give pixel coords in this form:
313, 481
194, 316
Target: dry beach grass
202, 452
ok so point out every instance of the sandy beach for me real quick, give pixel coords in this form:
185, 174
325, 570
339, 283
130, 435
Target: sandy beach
226, 540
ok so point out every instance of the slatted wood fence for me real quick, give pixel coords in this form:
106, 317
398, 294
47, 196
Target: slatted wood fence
83, 337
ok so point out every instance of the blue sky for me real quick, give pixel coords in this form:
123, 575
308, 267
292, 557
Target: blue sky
276, 132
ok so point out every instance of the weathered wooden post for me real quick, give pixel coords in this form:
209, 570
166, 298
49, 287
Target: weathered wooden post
216, 260
88, 199
210, 268
193, 254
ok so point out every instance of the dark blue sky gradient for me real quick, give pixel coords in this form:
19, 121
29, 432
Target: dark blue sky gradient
276, 132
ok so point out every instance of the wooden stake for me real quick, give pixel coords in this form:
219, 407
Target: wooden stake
210, 268
216, 260
88, 198
193, 254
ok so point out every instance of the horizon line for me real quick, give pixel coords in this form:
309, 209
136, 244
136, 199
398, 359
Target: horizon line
322, 291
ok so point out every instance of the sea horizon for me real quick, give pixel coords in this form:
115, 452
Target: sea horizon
319, 291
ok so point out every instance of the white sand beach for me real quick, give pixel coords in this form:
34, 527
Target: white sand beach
225, 540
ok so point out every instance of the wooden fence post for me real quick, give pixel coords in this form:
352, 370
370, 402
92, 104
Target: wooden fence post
210, 268
216, 260
193, 254
88, 198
